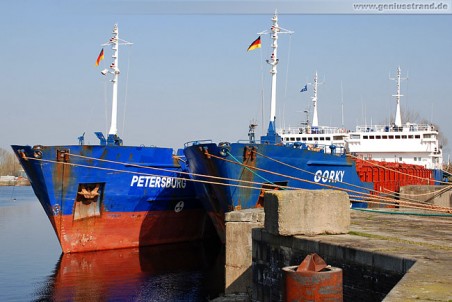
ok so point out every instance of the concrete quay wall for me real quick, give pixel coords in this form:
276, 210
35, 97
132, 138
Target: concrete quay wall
367, 276
238, 250
383, 257
436, 195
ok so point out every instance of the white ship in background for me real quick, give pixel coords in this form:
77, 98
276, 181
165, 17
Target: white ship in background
313, 135
408, 143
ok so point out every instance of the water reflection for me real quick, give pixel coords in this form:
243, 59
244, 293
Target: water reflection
179, 272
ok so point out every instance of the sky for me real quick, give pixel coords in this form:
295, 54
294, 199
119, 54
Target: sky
188, 75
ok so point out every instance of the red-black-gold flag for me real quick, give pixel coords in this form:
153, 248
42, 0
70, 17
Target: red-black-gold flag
255, 44
100, 57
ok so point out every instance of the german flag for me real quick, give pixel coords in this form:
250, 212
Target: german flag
255, 44
100, 57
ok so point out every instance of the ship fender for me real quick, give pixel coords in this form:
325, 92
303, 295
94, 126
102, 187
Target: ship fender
313, 280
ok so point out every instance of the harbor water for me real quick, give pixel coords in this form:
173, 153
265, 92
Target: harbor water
34, 269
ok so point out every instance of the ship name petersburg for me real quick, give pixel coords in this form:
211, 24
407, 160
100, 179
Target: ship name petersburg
144, 181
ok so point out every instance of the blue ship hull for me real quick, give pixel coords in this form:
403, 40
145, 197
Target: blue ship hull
234, 176
107, 197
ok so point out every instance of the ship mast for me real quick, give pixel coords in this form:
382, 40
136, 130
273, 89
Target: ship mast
275, 30
315, 119
114, 41
398, 118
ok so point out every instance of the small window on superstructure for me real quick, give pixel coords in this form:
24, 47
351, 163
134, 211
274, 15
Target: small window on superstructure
303, 139
403, 136
328, 138
371, 137
384, 137
309, 138
365, 137
378, 137
400, 159
292, 139
417, 136
397, 137
410, 136
322, 138
391, 137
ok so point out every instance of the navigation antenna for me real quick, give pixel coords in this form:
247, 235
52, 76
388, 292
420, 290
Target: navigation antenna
275, 30
398, 118
115, 41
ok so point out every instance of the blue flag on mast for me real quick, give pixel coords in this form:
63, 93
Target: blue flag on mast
305, 88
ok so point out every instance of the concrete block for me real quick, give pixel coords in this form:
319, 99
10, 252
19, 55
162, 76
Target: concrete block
248, 215
306, 212
436, 195
239, 225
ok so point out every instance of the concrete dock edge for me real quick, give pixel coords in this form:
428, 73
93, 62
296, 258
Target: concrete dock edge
389, 258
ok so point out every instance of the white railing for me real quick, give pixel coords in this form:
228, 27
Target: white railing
311, 130
405, 128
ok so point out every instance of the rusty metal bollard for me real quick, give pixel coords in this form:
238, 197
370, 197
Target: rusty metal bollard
313, 280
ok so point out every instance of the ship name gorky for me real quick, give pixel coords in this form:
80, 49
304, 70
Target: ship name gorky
144, 181
329, 176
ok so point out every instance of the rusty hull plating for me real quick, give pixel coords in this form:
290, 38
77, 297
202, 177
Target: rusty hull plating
108, 197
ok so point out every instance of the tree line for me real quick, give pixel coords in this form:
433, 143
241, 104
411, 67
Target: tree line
9, 165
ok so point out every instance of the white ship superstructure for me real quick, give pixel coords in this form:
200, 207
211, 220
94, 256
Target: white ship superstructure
313, 135
409, 143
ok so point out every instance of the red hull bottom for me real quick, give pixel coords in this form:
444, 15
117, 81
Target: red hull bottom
115, 230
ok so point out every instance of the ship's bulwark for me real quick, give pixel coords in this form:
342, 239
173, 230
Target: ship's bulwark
108, 197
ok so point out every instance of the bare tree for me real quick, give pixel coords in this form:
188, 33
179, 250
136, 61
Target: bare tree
9, 164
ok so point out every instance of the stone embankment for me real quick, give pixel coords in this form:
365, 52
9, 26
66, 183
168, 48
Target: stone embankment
386, 254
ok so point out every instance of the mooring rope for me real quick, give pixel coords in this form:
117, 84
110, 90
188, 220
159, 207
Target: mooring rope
412, 203
402, 213
360, 194
312, 173
390, 169
389, 192
261, 177
405, 201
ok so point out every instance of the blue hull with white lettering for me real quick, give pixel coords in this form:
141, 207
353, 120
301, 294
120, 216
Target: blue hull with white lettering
234, 176
106, 196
